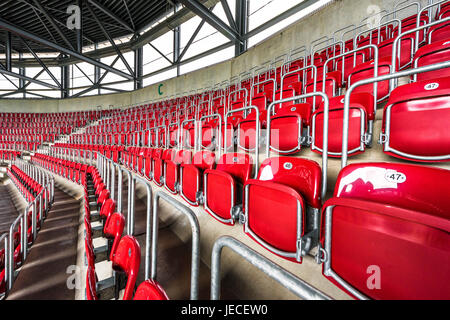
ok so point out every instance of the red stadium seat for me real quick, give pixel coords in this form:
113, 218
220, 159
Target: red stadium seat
172, 170
275, 205
158, 166
150, 290
385, 235
127, 259
191, 176
362, 111
415, 121
222, 185
113, 231
439, 32
91, 281
287, 128
433, 53
365, 71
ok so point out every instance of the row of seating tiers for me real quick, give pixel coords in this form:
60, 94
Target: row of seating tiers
297, 125
29, 188
287, 188
123, 251
27, 131
88, 149
417, 106
19, 145
9, 155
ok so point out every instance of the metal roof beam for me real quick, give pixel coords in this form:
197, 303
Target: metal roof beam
19, 76
167, 25
111, 14
53, 23
25, 34
41, 63
228, 13
302, 5
212, 19
110, 39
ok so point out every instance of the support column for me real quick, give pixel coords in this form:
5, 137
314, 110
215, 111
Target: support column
8, 51
176, 47
80, 31
242, 25
139, 68
22, 72
97, 73
176, 44
65, 81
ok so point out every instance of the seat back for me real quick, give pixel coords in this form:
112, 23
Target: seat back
168, 154
431, 54
304, 176
204, 160
128, 259
367, 70
103, 196
275, 205
183, 157
150, 290
91, 281
361, 100
418, 107
107, 208
237, 165
386, 232
114, 229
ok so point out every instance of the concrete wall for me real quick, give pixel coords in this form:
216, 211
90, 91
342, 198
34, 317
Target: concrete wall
334, 16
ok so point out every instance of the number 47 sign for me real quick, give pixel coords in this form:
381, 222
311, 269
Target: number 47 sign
395, 177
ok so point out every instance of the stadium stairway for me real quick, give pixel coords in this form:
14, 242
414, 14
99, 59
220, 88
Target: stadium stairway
44, 274
8, 209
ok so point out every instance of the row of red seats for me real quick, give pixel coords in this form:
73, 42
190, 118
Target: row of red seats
223, 187
124, 252
38, 138
36, 130
110, 151
292, 119
19, 145
29, 188
294, 126
277, 202
9, 155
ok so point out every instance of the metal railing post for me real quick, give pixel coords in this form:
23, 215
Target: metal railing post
287, 279
195, 227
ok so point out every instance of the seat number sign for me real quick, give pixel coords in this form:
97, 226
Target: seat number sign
395, 177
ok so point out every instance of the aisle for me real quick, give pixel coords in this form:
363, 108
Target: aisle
44, 275
8, 212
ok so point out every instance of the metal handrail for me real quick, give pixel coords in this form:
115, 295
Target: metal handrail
257, 133
153, 232
401, 35
325, 131
396, 10
391, 76
5, 239
200, 129
282, 276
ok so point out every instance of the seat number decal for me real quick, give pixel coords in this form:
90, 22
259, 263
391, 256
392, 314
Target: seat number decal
432, 86
395, 177
288, 166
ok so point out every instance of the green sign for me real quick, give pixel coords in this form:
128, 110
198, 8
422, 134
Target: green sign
159, 89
